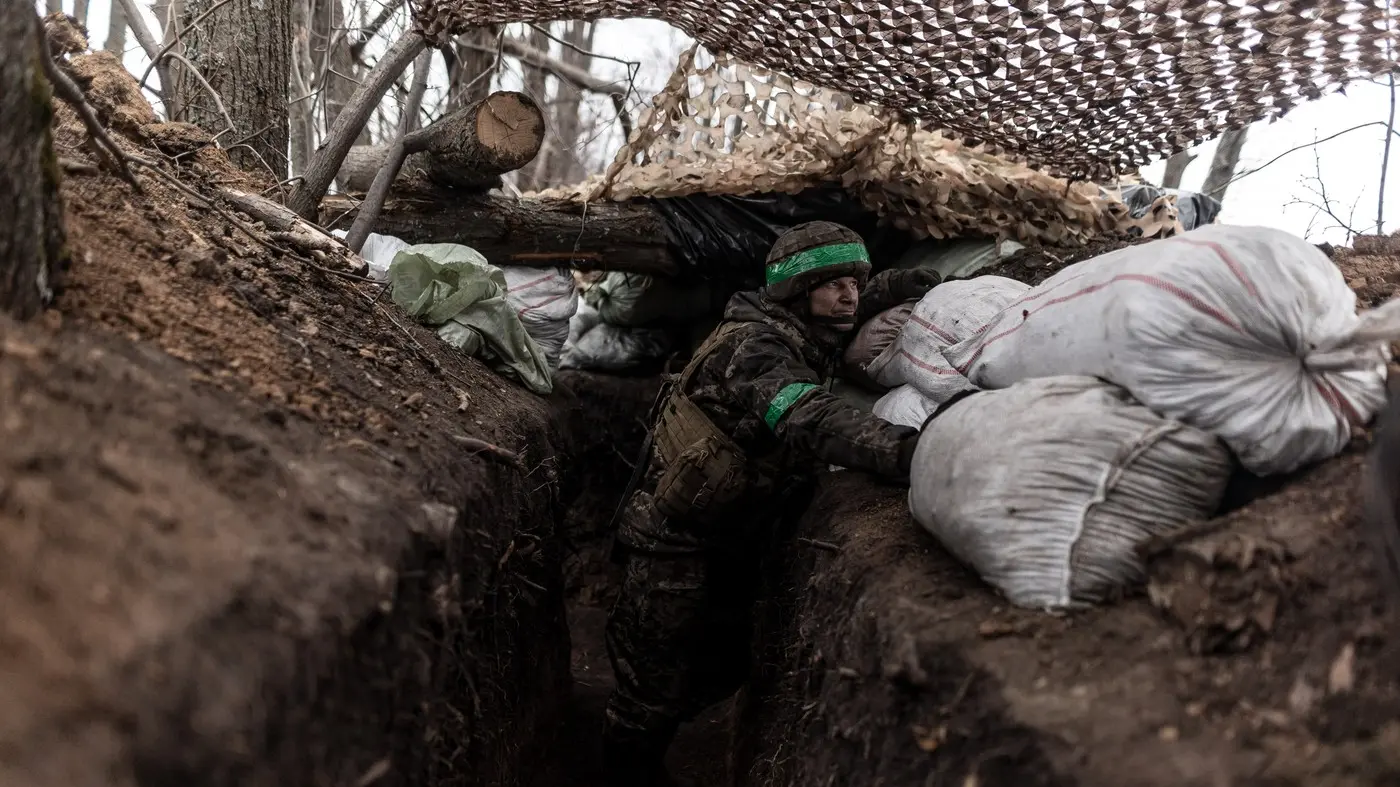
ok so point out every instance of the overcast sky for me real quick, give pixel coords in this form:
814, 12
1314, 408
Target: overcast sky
1347, 169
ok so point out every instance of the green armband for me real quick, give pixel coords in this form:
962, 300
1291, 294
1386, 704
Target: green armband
785, 399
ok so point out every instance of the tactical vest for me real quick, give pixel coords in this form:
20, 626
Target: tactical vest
704, 469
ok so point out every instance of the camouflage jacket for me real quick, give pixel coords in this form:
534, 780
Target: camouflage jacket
765, 386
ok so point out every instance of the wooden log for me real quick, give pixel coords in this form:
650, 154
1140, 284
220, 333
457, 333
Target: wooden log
529, 232
469, 149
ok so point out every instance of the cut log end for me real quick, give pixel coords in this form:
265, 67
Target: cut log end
469, 149
512, 125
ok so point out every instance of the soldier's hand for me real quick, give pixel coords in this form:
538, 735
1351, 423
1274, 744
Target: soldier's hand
909, 285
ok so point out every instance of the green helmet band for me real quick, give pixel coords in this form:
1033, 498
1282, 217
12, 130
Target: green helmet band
814, 259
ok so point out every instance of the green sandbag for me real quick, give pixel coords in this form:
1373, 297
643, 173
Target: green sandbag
453, 288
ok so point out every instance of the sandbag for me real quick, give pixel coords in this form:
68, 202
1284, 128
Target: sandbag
871, 341
546, 300
1249, 333
1048, 487
636, 300
454, 289
612, 348
904, 406
379, 251
956, 257
949, 313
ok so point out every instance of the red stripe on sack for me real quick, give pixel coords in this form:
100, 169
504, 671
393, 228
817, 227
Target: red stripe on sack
934, 369
934, 329
1339, 404
540, 280
1161, 284
545, 302
1229, 261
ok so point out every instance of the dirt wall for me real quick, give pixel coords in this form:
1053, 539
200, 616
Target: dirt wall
248, 534
883, 661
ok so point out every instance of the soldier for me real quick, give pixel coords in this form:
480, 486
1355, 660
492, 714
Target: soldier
736, 447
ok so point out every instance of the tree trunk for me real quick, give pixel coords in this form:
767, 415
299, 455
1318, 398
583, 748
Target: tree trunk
1223, 164
245, 50
474, 56
1176, 167
330, 49
301, 114
32, 244
529, 232
321, 171
469, 149
116, 29
531, 178
80, 11
562, 164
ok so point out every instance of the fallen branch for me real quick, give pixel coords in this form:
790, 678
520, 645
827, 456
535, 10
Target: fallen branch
617, 236
69, 91
407, 141
306, 198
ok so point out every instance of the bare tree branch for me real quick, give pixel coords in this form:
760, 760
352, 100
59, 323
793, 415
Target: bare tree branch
1297, 148
198, 77
134, 20
580, 78
368, 34
321, 171
1385, 159
407, 141
165, 50
66, 89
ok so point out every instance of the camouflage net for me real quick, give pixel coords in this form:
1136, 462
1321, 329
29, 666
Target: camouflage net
1085, 88
723, 127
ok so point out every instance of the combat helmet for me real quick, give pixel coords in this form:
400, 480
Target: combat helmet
810, 254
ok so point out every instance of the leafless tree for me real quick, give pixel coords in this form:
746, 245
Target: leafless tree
1224, 163
244, 51
1176, 167
116, 29
1326, 212
31, 237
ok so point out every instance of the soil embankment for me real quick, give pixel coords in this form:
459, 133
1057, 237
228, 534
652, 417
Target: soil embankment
246, 535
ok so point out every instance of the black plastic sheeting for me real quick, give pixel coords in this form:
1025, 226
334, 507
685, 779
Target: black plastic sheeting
726, 239
1192, 209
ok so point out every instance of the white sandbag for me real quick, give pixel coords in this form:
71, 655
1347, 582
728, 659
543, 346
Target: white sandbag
872, 340
1249, 333
608, 347
958, 257
546, 300
1048, 487
905, 406
379, 251
948, 314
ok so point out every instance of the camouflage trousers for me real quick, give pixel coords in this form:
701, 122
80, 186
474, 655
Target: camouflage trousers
678, 637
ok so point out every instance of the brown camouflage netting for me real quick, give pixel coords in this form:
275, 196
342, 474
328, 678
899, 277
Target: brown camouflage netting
1086, 88
721, 126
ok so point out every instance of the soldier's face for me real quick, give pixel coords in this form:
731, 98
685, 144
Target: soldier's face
834, 302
